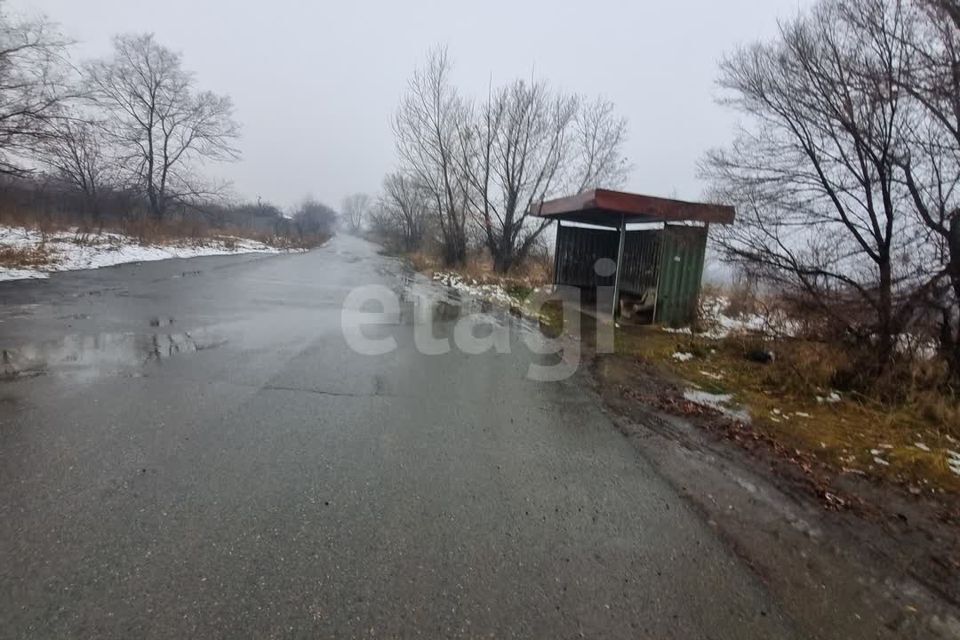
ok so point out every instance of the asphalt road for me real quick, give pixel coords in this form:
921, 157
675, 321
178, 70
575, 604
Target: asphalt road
191, 449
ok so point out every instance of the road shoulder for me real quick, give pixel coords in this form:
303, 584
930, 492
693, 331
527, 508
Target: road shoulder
840, 573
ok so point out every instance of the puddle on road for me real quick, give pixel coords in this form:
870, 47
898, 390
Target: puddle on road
87, 357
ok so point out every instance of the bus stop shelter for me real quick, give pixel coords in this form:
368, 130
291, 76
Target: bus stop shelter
658, 264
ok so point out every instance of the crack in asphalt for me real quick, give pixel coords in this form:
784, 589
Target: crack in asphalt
321, 392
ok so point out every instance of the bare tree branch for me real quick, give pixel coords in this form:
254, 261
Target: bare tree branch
160, 123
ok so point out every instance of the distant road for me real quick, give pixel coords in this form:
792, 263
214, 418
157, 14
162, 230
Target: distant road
192, 450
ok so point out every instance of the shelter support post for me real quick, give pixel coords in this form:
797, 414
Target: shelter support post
556, 256
616, 278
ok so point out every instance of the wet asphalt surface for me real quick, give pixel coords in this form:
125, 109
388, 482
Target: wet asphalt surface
190, 448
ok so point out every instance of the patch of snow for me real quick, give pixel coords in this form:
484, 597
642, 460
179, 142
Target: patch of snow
108, 249
953, 461
720, 325
921, 446
492, 292
801, 414
719, 401
712, 376
22, 274
833, 397
881, 462
710, 399
680, 356
773, 323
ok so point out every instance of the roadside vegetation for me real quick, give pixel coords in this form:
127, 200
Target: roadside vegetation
117, 146
471, 170
806, 395
479, 274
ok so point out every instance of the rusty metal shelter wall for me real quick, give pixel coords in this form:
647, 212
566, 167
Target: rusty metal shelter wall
646, 264
579, 248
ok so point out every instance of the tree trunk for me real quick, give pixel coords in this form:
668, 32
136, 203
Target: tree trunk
155, 207
950, 331
885, 346
502, 262
454, 249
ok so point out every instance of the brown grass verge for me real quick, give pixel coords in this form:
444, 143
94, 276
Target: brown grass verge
519, 282
26, 257
145, 231
790, 400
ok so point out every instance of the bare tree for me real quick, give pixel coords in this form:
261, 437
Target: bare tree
512, 157
314, 219
160, 122
929, 151
402, 211
599, 136
427, 129
77, 154
34, 85
355, 210
529, 143
821, 208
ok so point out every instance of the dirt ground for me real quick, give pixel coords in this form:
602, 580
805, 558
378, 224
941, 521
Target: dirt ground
848, 556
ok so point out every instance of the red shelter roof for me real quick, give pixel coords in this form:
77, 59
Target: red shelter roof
605, 208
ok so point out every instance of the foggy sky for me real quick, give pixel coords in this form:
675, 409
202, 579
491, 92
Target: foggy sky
316, 83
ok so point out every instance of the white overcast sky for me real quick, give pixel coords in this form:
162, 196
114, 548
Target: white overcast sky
315, 83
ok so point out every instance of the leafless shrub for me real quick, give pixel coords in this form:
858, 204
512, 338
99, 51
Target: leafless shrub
400, 215
314, 220
356, 209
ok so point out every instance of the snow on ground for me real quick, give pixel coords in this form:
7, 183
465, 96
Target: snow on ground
722, 402
953, 461
492, 292
719, 325
108, 249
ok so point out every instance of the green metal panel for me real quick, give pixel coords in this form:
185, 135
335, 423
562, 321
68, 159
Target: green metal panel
681, 269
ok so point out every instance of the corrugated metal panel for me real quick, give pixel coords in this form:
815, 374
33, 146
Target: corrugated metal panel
641, 259
579, 248
669, 261
681, 269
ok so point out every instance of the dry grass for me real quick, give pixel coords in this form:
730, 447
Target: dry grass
26, 257
782, 401
424, 262
148, 231
519, 282
742, 298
